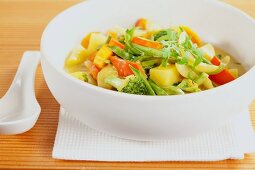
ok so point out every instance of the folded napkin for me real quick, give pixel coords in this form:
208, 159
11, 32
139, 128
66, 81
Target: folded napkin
76, 141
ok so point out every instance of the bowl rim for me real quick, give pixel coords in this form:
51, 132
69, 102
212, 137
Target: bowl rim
141, 97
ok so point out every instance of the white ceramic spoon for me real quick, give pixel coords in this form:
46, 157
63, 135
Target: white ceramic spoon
19, 109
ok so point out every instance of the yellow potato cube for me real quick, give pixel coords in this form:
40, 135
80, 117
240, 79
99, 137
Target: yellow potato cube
165, 76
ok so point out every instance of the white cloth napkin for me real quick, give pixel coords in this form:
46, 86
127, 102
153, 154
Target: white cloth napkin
76, 141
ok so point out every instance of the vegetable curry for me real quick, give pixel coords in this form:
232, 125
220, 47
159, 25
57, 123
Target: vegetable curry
148, 60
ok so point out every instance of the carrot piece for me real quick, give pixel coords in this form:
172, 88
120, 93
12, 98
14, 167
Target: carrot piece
215, 61
147, 43
94, 71
122, 66
141, 23
222, 78
114, 42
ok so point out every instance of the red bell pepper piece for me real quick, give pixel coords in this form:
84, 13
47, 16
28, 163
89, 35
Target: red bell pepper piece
223, 77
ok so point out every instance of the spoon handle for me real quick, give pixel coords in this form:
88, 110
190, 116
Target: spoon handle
25, 76
27, 67
26, 71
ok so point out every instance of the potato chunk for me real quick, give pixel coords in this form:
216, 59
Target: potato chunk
165, 76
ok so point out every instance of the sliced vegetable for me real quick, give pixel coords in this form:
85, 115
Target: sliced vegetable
140, 75
122, 53
77, 56
173, 90
123, 67
144, 58
189, 86
141, 23
182, 38
222, 78
208, 84
186, 71
92, 56
85, 76
201, 79
91, 80
94, 71
158, 90
194, 54
215, 61
116, 31
108, 71
128, 36
80, 75
145, 24
102, 55
112, 34
166, 55
159, 34
149, 51
148, 35
131, 85
114, 42
167, 35
234, 72
147, 43
151, 63
209, 69
165, 76
208, 51
139, 33
194, 37
85, 40
96, 41
225, 60
88, 64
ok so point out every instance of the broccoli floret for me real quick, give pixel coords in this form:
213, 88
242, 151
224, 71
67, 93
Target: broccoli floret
131, 85
189, 86
134, 84
144, 79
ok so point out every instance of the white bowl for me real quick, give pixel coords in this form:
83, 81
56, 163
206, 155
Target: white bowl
150, 117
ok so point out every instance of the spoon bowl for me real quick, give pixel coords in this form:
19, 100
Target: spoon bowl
19, 109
